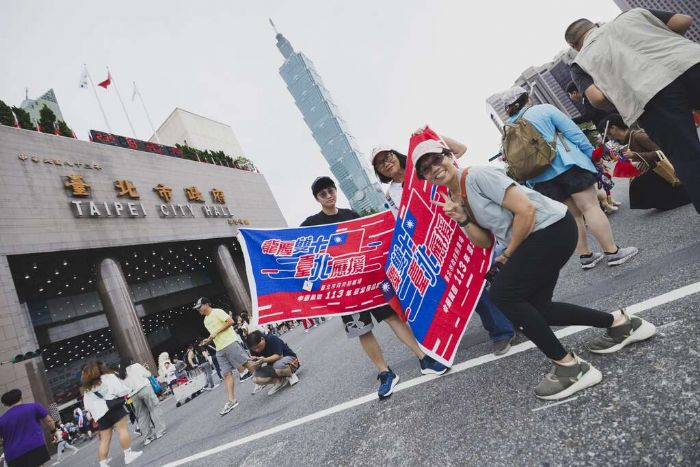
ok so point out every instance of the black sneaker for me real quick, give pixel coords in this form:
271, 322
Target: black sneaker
387, 381
245, 375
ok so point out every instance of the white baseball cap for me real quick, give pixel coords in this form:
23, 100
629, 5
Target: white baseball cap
429, 146
510, 96
378, 150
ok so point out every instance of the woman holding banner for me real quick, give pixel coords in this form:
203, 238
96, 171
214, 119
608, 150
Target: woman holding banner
541, 236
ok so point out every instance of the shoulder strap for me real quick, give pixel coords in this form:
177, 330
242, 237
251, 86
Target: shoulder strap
465, 199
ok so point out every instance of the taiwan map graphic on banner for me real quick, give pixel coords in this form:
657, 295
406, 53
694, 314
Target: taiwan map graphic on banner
304, 272
436, 272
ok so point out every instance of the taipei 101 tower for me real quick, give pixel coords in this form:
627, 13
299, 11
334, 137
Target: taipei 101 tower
352, 171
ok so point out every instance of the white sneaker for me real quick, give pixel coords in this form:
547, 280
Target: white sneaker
622, 255
279, 385
131, 456
294, 379
229, 406
257, 388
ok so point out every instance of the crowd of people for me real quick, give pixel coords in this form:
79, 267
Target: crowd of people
637, 79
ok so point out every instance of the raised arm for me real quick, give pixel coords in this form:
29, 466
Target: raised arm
680, 23
457, 148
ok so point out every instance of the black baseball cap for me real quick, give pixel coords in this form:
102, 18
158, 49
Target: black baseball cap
320, 183
200, 302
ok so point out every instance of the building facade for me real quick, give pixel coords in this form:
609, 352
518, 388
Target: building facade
349, 167
687, 7
34, 106
103, 250
184, 127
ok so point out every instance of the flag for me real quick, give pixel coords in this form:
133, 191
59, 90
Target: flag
14, 117
84, 79
55, 129
305, 272
133, 94
106, 82
38, 128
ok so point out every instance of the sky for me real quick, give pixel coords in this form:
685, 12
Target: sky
391, 67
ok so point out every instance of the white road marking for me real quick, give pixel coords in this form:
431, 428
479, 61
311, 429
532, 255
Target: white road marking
556, 403
474, 362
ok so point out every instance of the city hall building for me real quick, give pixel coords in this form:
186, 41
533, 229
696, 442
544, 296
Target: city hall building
104, 249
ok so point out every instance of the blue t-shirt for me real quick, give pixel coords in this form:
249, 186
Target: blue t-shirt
20, 429
275, 346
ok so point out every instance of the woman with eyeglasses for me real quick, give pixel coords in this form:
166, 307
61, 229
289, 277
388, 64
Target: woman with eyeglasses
541, 236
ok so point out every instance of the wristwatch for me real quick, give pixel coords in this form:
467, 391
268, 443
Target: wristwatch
465, 223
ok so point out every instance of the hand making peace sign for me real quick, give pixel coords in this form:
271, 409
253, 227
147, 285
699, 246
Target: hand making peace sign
453, 210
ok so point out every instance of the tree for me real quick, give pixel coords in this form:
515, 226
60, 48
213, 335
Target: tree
368, 212
47, 120
6, 117
25, 121
64, 130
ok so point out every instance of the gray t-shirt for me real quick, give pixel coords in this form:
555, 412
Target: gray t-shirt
486, 188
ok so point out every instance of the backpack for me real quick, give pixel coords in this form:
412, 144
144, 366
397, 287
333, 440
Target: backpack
525, 151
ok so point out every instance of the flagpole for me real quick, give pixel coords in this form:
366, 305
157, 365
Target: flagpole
138, 93
116, 89
94, 89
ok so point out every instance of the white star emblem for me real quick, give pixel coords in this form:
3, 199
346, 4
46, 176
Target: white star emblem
410, 224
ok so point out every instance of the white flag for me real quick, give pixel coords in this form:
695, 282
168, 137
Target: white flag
84, 79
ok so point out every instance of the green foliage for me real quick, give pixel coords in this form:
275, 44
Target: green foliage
47, 120
216, 157
64, 130
6, 117
25, 121
368, 212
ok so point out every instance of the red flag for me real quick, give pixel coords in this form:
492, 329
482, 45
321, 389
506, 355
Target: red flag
106, 82
38, 128
16, 124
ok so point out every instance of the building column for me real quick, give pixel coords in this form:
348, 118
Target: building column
124, 323
18, 337
235, 287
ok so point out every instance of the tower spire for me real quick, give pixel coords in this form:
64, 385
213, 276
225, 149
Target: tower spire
283, 45
272, 23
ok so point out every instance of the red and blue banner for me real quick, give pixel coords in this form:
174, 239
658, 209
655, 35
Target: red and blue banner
437, 273
305, 272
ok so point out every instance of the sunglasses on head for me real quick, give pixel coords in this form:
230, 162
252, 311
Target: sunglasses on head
427, 163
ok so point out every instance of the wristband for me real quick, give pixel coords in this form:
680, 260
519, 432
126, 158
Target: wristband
465, 223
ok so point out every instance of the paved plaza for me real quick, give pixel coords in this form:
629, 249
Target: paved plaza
483, 412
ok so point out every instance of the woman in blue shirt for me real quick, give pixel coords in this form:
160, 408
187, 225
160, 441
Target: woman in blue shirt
571, 179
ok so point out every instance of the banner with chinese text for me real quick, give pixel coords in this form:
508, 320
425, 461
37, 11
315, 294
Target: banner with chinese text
437, 273
305, 272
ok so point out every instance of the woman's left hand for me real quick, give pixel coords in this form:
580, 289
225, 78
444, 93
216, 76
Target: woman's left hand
501, 259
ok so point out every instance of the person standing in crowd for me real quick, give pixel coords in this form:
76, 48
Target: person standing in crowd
103, 395
81, 420
647, 190
229, 349
589, 113
641, 64
390, 167
22, 432
145, 402
541, 236
274, 361
571, 178
196, 361
360, 324
59, 439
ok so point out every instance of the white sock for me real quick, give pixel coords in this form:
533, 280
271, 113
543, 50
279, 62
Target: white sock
571, 363
127, 451
104, 463
617, 314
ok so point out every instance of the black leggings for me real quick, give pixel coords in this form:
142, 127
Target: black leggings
523, 288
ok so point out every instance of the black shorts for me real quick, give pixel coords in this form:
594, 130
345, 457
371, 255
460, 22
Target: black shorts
561, 187
361, 323
33, 458
112, 416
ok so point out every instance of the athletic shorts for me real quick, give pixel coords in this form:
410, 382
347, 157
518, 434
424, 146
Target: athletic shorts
111, 418
36, 456
268, 371
561, 187
231, 357
361, 323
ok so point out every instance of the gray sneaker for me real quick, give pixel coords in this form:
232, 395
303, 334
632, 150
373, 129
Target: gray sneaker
634, 330
501, 347
229, 406
588, 263
622, 255
563, 381
278, 385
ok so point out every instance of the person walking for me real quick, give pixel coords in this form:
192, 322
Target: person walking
103, 395
571, 178
641, 64
197, 361
360, 324
144, 399
60, 440
390, 167
541, 236
22, 432
229, 348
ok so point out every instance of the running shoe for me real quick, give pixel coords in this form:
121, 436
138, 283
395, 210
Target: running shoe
148, 441
207, 388
278, 385
590, 262
294, 379
429, 366
229, 406
621, 256
635, 329
502, 346
387, 381
563, 381
245, 375
257, 388
130, 456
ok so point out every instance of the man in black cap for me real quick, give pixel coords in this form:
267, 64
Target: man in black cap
360, 324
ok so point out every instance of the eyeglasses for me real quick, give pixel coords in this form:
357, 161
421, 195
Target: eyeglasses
426, 165
326, 192
381, 161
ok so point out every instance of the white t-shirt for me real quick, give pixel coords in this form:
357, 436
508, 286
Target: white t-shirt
393, 195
